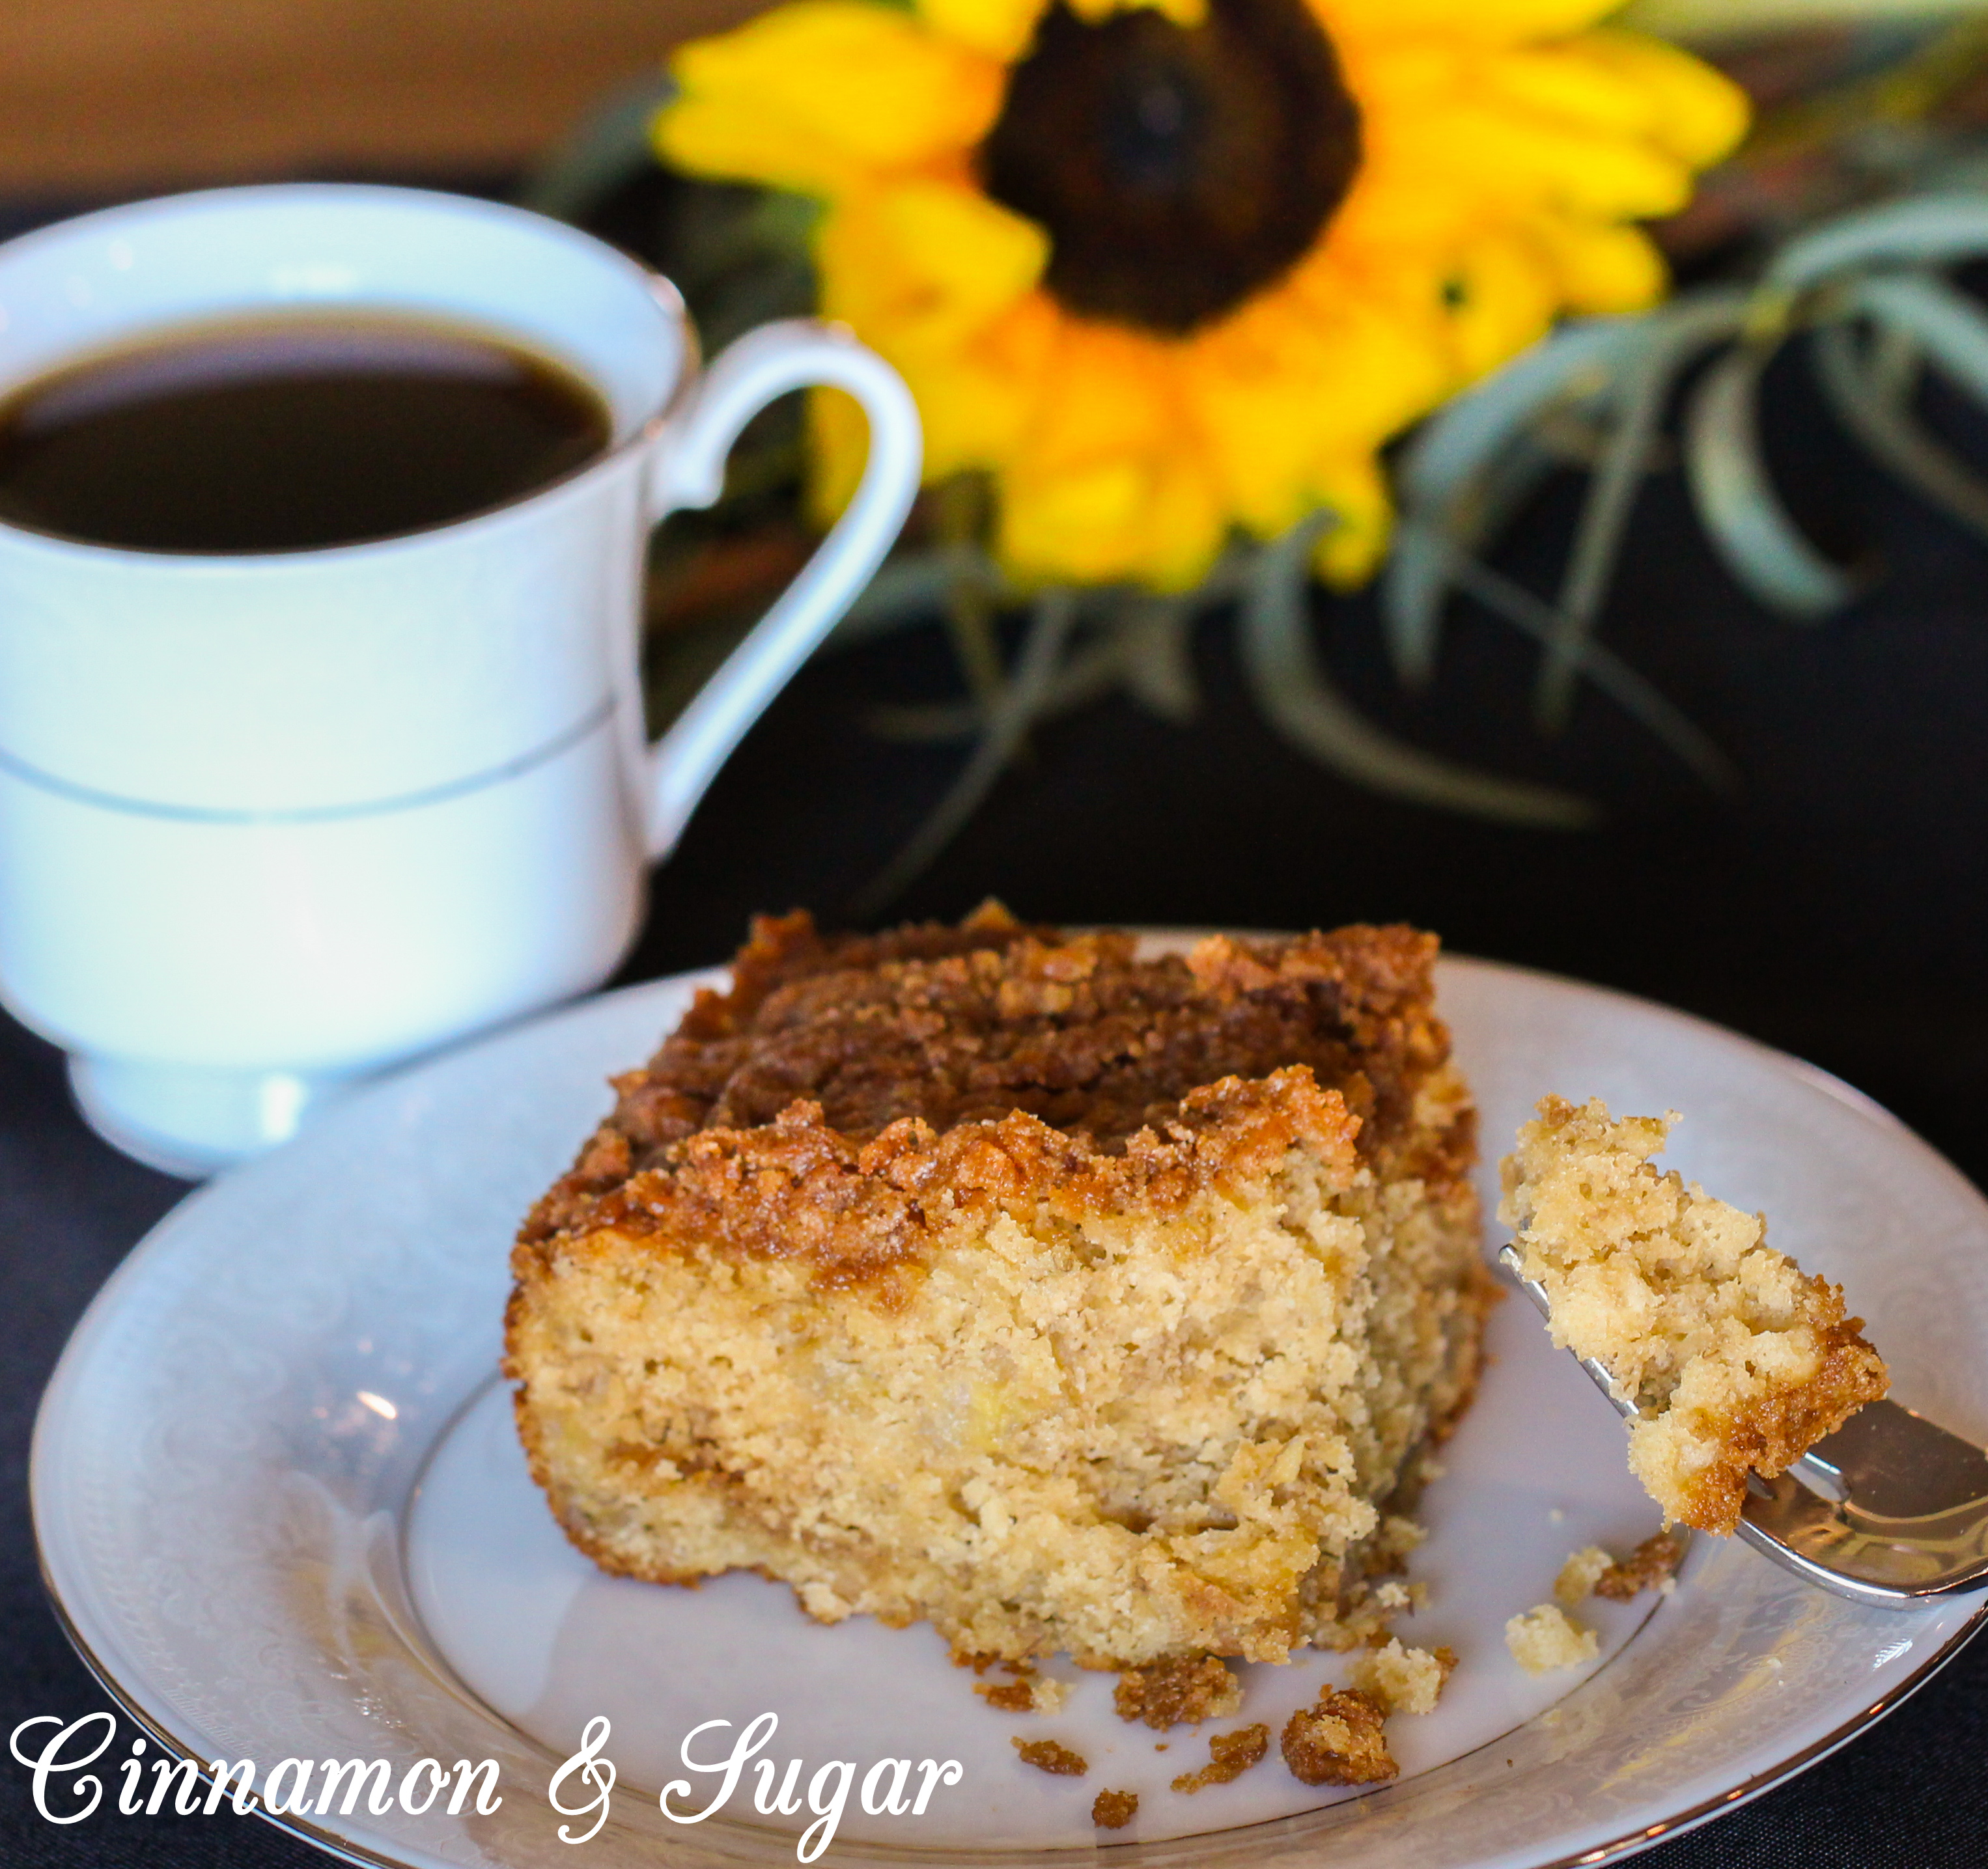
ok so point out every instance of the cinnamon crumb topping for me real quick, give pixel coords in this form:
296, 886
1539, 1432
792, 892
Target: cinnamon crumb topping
1229, 1756
1183, 1689
1047, 1756
798, 1189
1340, 1741
1112, 1810
1644, 1568
835, 1061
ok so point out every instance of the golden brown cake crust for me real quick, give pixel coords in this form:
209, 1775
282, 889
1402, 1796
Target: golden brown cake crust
1767, 1434
897, 1039
1047, 1756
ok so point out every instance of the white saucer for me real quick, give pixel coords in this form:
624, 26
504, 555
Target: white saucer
282, 1512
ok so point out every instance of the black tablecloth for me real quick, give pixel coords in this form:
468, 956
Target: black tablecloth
1835, 905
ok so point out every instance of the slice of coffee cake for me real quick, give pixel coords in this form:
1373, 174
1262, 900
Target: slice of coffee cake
1737, 1360
987, 1275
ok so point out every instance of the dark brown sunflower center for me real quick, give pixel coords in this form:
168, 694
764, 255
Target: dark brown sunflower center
1178, 170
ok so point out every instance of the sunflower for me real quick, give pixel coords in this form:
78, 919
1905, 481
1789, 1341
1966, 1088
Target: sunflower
1164, 271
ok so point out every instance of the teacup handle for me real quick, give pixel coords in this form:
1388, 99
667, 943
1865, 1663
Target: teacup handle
688, 469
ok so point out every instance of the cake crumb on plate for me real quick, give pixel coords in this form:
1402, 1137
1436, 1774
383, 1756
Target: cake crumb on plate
1024, 1691
1229, 1756
1546, 1638
1580, 1574
1047, 1756
1403, 1680
1112, 1810
1340, 1741
1651, 1566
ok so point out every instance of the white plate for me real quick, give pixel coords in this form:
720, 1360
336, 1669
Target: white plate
280, 1507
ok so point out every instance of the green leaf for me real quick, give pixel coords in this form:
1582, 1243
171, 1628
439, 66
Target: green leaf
1736, 503
1877, 415
1923, 230
1053, 616
1640, 395
1465, 471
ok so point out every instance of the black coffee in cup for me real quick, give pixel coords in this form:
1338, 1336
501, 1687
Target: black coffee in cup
279, 433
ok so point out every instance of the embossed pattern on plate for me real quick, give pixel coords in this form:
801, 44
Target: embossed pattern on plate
227, 1469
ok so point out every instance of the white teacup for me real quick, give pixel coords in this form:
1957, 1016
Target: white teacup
271, 822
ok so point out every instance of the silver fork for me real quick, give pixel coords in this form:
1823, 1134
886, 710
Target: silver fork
1891, 1509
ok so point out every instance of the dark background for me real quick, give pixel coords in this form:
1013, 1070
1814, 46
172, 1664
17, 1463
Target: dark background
1833, 904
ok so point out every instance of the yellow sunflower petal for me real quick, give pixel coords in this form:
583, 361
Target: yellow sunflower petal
972, 401
1186, 524
938, 279
1078, 490
1076, 525
1275, 389
817, 95
1506, 300
1698, 114
1502, 22
1001, 29
1567, 81
1103, 391
1152, 520
838, 439
1617, 81
1181, 12
1602, 268
980, 395
931, 262
1352, 549
1502, 155
967, 403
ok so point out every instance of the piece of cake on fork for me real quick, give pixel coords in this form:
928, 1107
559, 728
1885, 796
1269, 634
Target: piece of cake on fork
1069, 1299
1735, 1359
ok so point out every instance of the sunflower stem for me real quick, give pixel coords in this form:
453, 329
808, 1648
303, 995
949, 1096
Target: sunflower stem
1053, 617
1089, 673
1634, 693
960, 515
1291, 686
1158, 646
1641, 395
